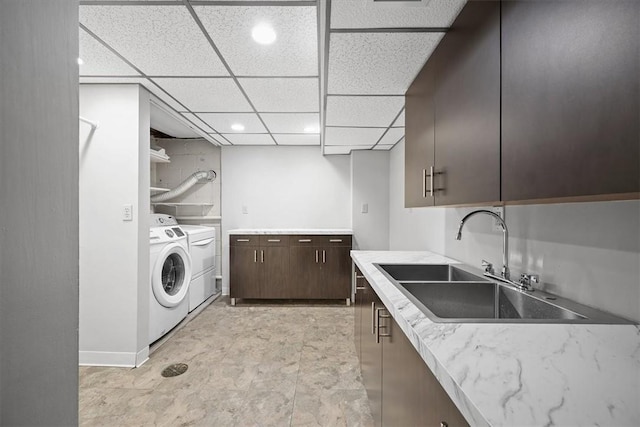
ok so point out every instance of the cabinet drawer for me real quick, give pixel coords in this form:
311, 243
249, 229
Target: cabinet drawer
274, 240
306, 240
338, 240
244, 240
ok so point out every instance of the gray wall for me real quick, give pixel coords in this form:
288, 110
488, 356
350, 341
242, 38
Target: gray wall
39, 212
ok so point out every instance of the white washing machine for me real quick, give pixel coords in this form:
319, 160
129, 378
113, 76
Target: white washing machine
202, 249
170, 272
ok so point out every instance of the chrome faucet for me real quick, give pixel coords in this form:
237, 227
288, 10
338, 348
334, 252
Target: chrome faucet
505, 240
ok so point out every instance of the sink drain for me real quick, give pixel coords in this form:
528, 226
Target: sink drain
175, 370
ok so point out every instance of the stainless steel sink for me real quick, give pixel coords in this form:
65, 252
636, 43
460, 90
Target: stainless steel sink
429, 273
451, 294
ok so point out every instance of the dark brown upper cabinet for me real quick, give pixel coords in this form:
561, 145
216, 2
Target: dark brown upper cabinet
570, 112
452, 149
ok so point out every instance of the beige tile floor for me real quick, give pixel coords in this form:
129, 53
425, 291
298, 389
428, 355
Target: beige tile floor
249, 365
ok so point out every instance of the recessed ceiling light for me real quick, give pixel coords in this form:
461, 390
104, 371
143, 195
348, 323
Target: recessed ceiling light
80, 61
237, 127
311, 129
263, 34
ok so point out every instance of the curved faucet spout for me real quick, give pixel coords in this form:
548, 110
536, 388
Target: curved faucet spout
505, 237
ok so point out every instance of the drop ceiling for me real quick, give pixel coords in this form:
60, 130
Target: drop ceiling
335, 77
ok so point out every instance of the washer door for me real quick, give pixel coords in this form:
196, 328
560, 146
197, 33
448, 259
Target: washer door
171, 275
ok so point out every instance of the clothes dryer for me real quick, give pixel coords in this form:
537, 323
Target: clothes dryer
170, 272
202, 249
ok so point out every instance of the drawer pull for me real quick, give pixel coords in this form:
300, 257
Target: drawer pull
273, 240
304, 240
242, 240
335, 240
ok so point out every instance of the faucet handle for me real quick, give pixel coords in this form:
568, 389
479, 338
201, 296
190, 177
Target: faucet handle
527, 279
488, 267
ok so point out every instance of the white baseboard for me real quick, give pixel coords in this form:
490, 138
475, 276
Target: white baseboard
142, 356
107, 358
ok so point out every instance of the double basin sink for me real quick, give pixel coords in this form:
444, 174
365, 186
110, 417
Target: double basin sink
452, 293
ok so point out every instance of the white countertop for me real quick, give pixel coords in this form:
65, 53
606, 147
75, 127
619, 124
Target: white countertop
520, 374
291, 231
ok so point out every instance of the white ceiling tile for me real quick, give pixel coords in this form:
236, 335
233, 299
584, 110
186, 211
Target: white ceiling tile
159, 40
367, 14
392, 136
292, 122
195, 119
98, 60
352, 136
304, 139
363, 110
294, 52
377, 63
206, 95
135, 80
399, 123
343, 149
249, 139
222, 122
219, 139
283, 95
383, 147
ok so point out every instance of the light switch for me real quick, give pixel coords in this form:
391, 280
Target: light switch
365, 208
245, 210
127, 213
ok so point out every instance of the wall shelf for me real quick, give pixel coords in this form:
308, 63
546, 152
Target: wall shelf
158, 157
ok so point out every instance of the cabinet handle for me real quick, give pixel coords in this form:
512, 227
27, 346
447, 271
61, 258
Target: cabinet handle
373, 318
379, 326
316, 256
359, 277
335, 240
242, 240
273, 240
431, 181
424, 183
304, 240
444, 424
262, 257
324, 257
255, 256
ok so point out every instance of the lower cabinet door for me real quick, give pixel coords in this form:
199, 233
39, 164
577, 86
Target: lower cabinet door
244, 280
371, 355
274, 272
305, 271
411, 394
336, 273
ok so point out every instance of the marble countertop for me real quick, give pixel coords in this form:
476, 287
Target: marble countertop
520, 374
319, 231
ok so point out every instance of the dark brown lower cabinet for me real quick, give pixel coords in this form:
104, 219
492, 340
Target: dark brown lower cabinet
290, 267
360, 308
402, 390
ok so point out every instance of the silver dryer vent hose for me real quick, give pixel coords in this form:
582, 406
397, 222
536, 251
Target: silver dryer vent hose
199, 177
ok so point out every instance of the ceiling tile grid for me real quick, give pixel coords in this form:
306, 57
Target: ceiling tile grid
399, 123
98, 60
159, 40
367, 14
297, 139
365, 137
294, 53
283, 94
134, 80
392, 136
249, 139
195, 119
377, 63
342, 149
206, 94
383, 147
292, 122
374, 111
223, 122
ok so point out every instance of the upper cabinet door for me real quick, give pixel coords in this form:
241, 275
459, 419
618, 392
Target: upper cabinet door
570, 96
467, 107
419, 138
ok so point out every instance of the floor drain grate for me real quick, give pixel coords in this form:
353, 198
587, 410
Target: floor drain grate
175, 370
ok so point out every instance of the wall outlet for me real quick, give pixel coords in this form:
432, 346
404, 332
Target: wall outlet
127, 213
245, 210
498, 210
365, 208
